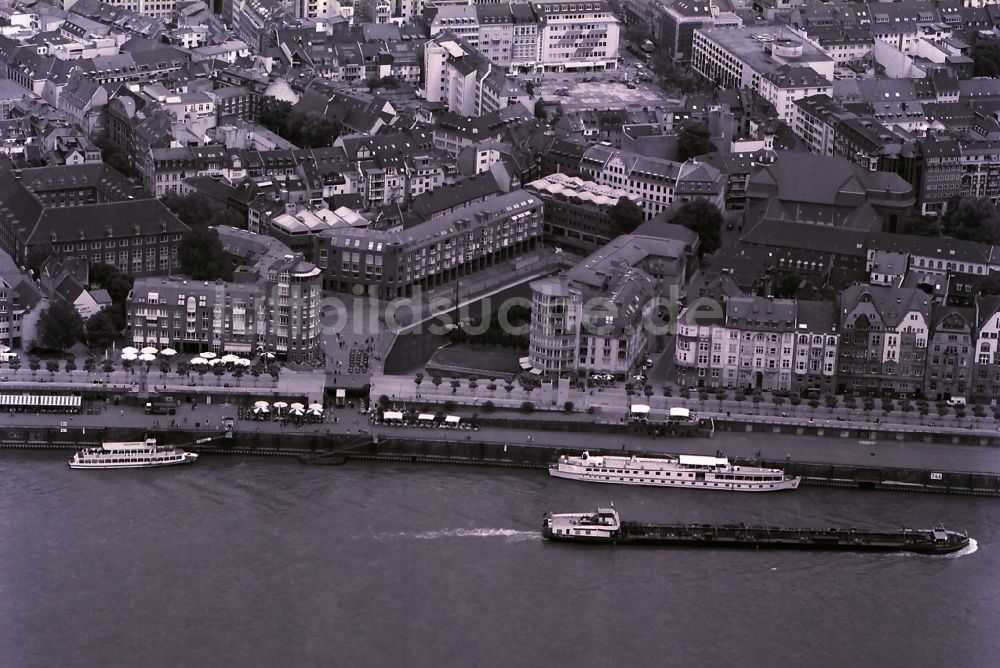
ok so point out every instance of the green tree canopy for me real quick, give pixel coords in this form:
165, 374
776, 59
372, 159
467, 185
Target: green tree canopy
59, 326
924, 226
193, 209
625, 216
101, 330
703, 218
304, 129
986, 58
37, 257
202, 257
972, 219
694, 140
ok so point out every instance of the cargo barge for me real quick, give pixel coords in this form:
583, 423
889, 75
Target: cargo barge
606, 528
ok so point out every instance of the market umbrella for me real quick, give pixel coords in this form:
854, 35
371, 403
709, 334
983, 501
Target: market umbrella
280, 404
147, 357
149, 350
129, 357
316, 407
269, 356
261, 404
199, 360
129, 350
168, 352
216, 362
229, 359
315, 413
209, 355
296, 412
4, 349
258, 410
242, 361
298, 407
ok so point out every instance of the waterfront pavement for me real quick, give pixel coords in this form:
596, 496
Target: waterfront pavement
832, 450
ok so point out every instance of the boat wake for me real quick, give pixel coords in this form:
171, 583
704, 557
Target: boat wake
511, 535
972, 547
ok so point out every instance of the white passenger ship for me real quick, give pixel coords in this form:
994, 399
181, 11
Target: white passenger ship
130, 455
673, 471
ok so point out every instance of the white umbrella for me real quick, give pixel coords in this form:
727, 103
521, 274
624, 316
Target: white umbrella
129, 357
257, 410
316, 407
149, 350
280, 404
242, 361
229, 359
147, 357
261, 404
129, 350
298, 407
168, 352
4, 349
199, 360
209, 355
314, 412
269, 356
216, 362
297, 412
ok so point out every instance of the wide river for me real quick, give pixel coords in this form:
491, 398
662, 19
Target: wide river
265, 562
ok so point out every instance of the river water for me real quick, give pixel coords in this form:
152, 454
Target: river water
265, 562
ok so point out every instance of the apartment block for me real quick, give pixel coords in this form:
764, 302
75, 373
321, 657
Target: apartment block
432, 253
272, 304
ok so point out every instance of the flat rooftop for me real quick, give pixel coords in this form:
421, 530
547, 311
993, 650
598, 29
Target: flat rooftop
747, 44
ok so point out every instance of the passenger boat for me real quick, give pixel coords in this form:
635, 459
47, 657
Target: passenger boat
693, 471
605, 527
130, 455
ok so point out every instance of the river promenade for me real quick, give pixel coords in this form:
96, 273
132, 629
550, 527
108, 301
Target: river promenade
347, 424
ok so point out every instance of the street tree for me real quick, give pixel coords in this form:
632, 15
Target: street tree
703, 218
202, 256
59, 326
101, 330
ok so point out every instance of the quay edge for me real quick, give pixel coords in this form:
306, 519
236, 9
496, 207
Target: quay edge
471, 452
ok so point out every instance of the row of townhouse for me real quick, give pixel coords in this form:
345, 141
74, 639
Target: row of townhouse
383, 169
755, 342
541, 36
656, 182
875, 339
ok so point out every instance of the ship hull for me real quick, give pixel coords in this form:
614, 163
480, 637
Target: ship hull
188, 458
787, 484
804, 540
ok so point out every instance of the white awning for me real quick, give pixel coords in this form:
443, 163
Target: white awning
525, 360
452, 419
392, 415
701, 460
525, 365
537, 372
341, 394
640, 409
425, 417
40, 401
680, 412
